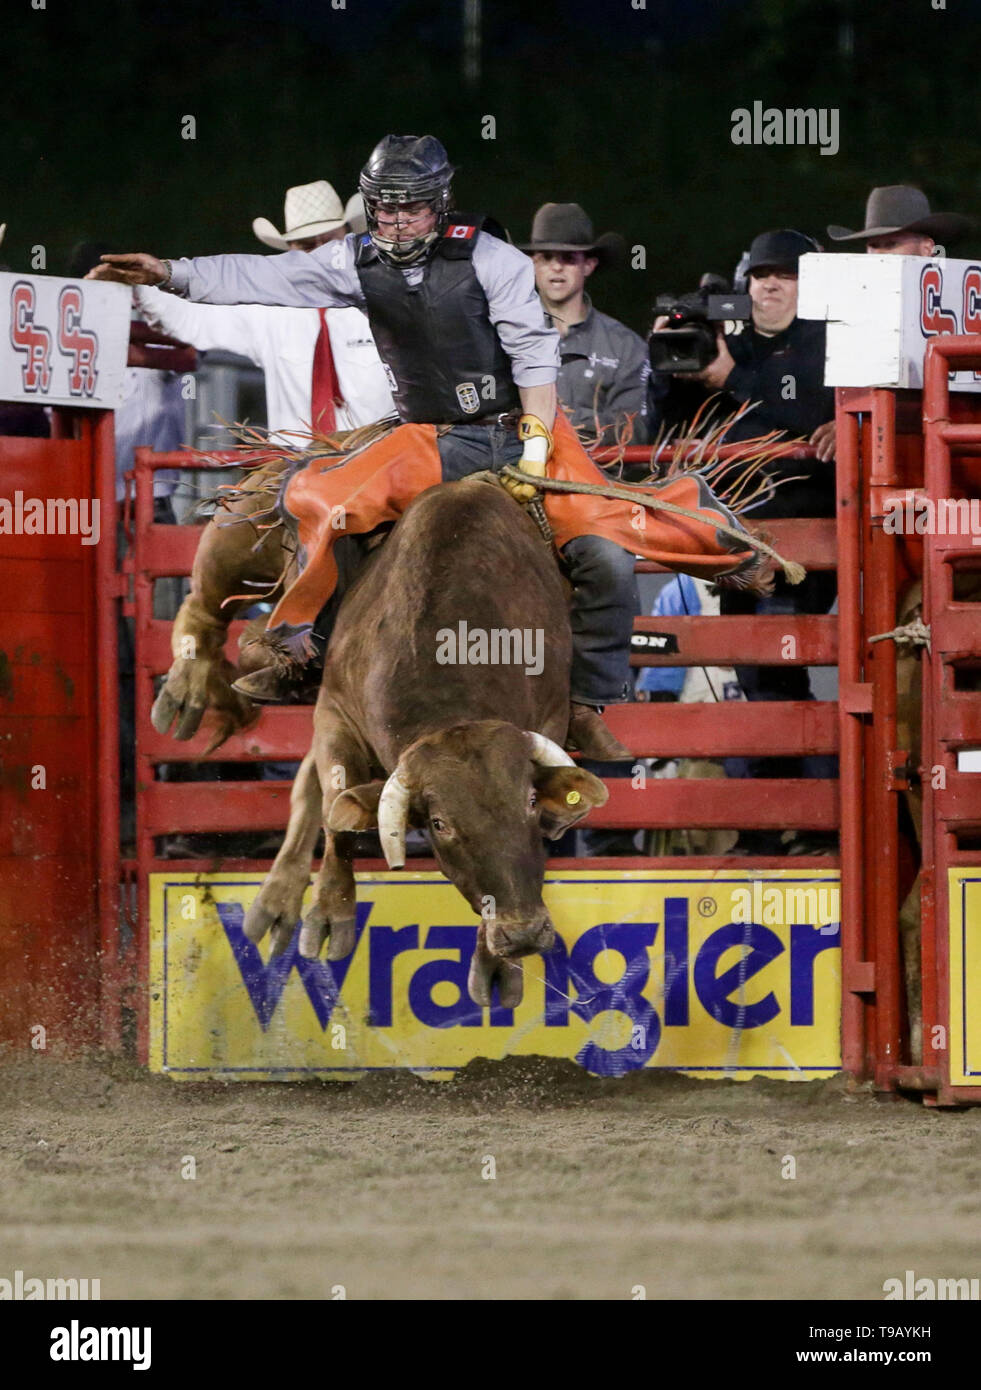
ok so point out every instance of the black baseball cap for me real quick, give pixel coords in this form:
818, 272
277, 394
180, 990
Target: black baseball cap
780, 249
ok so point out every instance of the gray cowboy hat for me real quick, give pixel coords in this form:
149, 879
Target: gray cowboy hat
900, 208
566, 227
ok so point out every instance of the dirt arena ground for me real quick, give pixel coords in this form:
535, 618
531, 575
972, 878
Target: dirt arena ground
377, 1185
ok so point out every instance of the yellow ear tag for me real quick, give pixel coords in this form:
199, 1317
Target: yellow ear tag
573, 798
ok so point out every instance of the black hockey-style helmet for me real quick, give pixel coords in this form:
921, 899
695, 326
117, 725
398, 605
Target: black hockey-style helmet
406, 169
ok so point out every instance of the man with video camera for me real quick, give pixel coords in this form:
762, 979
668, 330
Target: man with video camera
770, 357
775, 360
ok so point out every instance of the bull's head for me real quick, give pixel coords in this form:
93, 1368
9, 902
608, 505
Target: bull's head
486, 792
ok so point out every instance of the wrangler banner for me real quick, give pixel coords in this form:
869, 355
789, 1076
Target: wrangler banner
713, 973
965, 977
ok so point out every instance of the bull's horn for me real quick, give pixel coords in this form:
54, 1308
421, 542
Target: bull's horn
549, 754
393, 814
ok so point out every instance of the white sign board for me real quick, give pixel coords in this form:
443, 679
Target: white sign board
63, 342
882, 311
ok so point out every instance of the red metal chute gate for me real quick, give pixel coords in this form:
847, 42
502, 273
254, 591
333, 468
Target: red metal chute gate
59, 731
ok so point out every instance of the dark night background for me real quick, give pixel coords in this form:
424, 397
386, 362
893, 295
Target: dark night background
626, 111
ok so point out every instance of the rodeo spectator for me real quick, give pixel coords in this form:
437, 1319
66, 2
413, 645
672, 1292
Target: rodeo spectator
898, 222
777, 362
321, 367
604, 368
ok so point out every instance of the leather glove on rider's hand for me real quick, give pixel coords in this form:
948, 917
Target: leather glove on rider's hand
537, 441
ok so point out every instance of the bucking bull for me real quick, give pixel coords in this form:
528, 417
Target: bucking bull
471, 752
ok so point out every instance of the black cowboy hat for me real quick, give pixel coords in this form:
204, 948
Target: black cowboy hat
900, 208
566, 227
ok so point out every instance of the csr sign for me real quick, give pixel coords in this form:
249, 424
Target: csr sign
964, 317
33, 341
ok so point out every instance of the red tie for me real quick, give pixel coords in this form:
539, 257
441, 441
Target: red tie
325, 393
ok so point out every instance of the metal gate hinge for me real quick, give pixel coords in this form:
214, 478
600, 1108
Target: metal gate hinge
898, 770
859, 977
855, 697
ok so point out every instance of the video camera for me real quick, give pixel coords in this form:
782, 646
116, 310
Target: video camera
688, 343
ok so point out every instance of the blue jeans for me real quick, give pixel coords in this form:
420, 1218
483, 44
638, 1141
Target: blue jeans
604, 588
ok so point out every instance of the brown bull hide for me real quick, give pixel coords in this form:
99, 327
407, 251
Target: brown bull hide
457, 731
234, 557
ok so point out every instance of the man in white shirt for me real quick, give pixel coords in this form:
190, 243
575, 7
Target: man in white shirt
353, 386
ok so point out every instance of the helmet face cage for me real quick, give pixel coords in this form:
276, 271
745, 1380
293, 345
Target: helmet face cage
377, 193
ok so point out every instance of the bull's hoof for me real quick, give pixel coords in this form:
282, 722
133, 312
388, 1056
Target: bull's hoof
189, 721
164, 711
316, 926
341, 939
312, 933
510, 984
167, 707
260, 919
282, 934
484, 970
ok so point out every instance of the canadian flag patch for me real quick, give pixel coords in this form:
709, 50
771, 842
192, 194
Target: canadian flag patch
460, 231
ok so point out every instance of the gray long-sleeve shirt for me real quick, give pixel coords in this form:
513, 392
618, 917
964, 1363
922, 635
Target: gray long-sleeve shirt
603, 377
328, 277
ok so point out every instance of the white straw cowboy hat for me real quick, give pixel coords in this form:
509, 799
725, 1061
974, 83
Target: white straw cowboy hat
354, 214
310, 208
901, 208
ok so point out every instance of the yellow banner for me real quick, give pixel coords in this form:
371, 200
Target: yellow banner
714, 973
965, 977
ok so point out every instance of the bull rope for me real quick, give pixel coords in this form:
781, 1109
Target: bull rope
793, 570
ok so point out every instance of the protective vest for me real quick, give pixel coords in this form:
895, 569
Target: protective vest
435, 337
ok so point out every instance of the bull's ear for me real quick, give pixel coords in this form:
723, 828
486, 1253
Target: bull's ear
565, 796
356, 808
